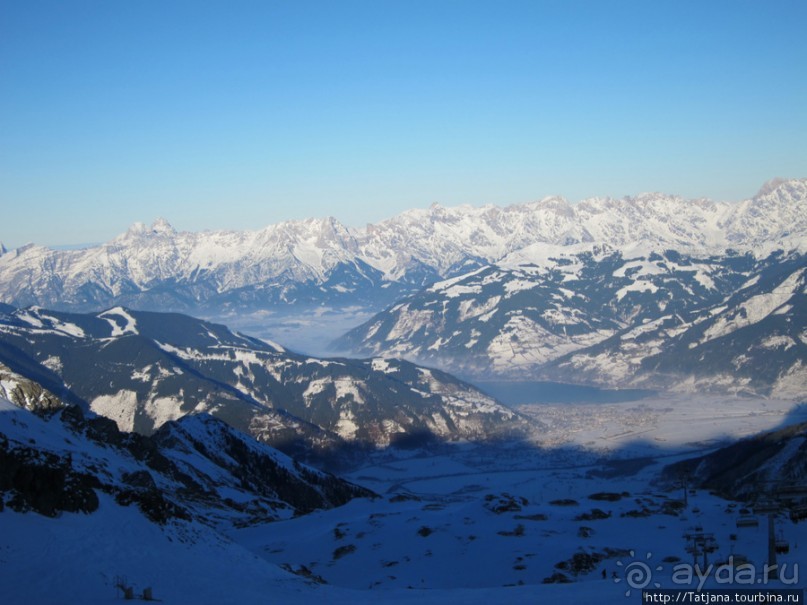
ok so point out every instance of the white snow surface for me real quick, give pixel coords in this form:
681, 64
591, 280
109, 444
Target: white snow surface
120, 407
129, 325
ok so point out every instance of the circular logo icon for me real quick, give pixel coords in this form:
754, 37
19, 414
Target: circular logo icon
637, 574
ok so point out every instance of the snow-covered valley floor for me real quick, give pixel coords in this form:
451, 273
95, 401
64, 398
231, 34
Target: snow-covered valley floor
467, 524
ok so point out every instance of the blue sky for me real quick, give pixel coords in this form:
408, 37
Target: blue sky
241, 114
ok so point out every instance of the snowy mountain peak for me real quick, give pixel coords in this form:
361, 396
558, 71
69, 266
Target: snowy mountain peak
135, 230
554, 203
771, 185
162, 227
139, 231
779, 211
778, 188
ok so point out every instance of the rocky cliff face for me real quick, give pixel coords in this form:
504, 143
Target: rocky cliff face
26, 393
197, 468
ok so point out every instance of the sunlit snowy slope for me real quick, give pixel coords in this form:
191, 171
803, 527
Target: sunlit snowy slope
626, 317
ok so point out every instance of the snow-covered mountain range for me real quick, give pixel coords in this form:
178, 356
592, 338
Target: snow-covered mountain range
617, 317
650, 291
320, 261
144, 369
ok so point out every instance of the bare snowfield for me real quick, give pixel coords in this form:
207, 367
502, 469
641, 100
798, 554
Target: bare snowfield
462, 524
512, 516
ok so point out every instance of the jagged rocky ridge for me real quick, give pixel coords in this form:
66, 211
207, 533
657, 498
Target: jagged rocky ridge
144, 369
196, 468
320, 261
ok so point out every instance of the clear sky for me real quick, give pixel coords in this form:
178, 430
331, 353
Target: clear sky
234, 114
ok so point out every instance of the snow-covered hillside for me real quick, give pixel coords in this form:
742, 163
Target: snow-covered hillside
144, 369
198, 468
753, 342
631, 316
